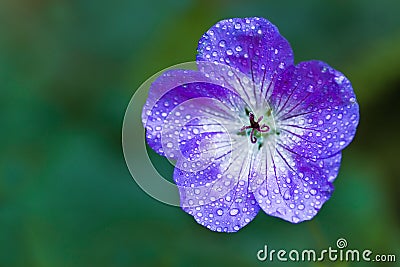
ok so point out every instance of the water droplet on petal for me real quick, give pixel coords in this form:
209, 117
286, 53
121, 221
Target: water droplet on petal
263, 192
281, 210
220, 212
339, 79
234, 212
295, 219
287, 195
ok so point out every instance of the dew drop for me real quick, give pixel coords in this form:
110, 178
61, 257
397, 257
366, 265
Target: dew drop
281, 210
286, 195
234, 212
219, 212
263, 192
339, 79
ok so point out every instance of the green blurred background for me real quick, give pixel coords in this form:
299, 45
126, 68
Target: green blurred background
68, 69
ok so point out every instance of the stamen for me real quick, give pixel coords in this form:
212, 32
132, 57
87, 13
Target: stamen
255, 126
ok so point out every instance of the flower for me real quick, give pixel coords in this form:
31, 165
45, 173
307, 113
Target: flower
250, 130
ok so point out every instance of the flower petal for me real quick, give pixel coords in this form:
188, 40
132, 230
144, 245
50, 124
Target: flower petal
217, 196
167, 81
252, 46
228, 214
294, 188
315, 110
170, 107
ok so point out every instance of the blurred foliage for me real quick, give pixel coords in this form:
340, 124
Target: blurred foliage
67, 72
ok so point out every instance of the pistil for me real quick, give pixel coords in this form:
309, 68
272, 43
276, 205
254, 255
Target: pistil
255, 127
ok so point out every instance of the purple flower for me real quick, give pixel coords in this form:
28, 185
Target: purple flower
250, 130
